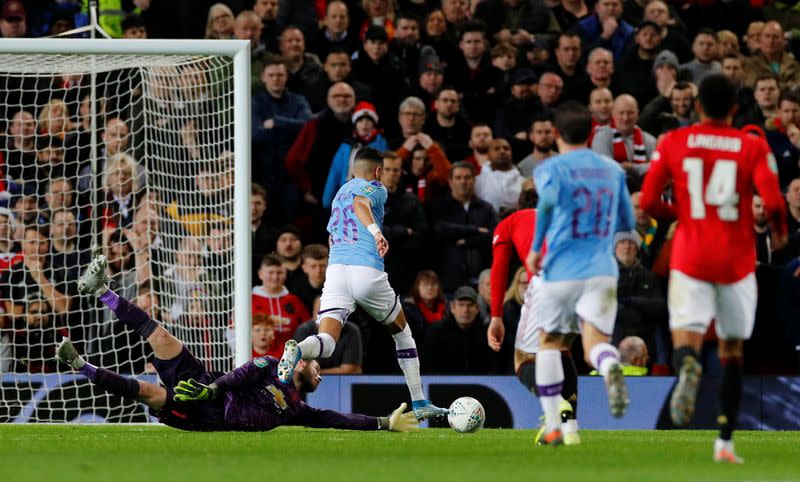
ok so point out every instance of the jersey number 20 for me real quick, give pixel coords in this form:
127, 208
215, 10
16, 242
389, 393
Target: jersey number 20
720, 190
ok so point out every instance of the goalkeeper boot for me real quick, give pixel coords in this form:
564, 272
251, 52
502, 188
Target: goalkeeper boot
681, 404
724, 452
617, 391
289, 360
569, 425
94, 278
67, 354
425, 410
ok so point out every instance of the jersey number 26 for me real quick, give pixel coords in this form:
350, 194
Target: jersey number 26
720, 189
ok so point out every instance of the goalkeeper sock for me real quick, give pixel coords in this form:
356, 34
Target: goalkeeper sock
317, 346
115, 383
549, 383
129, 314
570, 390
730, 396
409, 362
603, 357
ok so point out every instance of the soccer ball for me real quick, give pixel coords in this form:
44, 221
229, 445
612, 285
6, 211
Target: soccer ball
466, 415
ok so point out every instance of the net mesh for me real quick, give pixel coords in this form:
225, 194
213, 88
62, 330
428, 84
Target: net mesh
153, 192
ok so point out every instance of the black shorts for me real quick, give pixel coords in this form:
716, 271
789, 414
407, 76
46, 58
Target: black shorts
204, 415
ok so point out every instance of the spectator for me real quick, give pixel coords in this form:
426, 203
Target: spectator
55, 120
220, 23
405, 226
267, 11
10, 251
405, 45
733, 70
515, 21
457, 344
263, 335
642, 307
568, 54
550, 89
278, 117
337, 68
303, 15
463, 224
314, 263
14, 23
448, 127
504, 58
303, 67
334, 33
471, 73
601, 104
677, 103
650, 231
638, 63
121, 188
766, 94
569, 12
625, 141
64, 250
148, 244
600, 67
248, 26
752, 39
430, 78
793, 202
485, 294
516, 114
605, 28
186, 280
133, 27
264, 234
20, 144
634, 356
289, 248
542, 136
347, 356
380, 13
706, 51
672, 38
35, 343
116, 139
499, 182
512, 310
783, 136
272, 299
366, 133
479, 139
435, 35
426, 304
380, 71
728, 43
456, 15
771, 58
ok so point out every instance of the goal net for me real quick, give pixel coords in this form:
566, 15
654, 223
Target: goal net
132, 156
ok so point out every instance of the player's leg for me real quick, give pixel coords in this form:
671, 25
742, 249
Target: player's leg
692, 305
150, 394
549, 385
93, 281
336, 303
597, 307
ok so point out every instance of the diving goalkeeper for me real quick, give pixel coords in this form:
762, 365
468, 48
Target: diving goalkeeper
249, 398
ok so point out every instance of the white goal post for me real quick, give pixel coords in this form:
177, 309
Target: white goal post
228, 64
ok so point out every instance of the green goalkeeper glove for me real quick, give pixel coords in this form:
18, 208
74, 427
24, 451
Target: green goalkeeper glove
193, 391
403, 422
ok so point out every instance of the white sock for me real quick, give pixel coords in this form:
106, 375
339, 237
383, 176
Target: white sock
409, 362
549, 382
603, 357
317, 346
570, 426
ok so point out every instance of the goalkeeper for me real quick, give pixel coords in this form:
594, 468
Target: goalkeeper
249, 398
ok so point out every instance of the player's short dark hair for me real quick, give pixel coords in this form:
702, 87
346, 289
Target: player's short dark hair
461, 165
574, 122
368, 156
471, 26
528, 199
314, 251
257, 189
271, 259
717, 96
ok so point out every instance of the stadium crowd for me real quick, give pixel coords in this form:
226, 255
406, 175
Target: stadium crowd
459, 95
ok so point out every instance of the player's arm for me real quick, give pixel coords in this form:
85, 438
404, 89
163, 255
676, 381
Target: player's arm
547, 186
362, 206
502, 251
398, 421
654, 183
191, 390
765, 178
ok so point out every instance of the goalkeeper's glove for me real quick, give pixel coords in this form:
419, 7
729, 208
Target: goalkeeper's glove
403, 422
192, 391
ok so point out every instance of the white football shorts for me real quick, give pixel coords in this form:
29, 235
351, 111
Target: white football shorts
527, 339
347, 286
560, 305
693, 303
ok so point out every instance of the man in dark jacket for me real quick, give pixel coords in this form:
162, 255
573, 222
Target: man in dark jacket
464, 224
381, 72
457, 344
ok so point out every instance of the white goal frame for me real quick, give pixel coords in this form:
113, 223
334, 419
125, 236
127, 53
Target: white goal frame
239, 50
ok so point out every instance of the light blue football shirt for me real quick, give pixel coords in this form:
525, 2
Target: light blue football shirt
583, 202
351, 243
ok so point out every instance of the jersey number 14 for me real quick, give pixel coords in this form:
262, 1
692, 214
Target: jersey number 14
720, 190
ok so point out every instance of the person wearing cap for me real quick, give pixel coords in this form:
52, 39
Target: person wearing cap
278, 116
671, 28
366, 133
471, 72
380, 71
457, 344
641, 303
772, 57
303, 66
606, 28
638, 63
430, 78
334, 33
448, 126
14, 23
514, 117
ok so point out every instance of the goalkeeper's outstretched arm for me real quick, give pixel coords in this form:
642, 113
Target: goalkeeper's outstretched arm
398, 421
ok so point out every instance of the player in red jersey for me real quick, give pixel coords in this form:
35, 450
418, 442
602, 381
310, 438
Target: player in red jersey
514, 234
714, 169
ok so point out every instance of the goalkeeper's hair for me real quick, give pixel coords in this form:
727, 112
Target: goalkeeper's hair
368, 158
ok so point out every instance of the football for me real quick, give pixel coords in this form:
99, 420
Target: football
466, 415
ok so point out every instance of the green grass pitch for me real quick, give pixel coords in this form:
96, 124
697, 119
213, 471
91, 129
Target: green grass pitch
142, 453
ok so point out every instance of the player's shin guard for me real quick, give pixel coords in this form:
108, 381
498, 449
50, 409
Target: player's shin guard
409, 362
730, 396
550, 381
129, 314
603, 357
113, 382
570, 390
317, 346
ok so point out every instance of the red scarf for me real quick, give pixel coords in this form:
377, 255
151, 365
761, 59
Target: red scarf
596, 125
431, 316
639, 152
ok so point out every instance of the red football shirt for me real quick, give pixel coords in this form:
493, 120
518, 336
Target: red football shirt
514, 233
715, 170
285, 310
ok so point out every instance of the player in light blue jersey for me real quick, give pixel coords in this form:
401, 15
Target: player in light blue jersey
583, 202
355, 276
